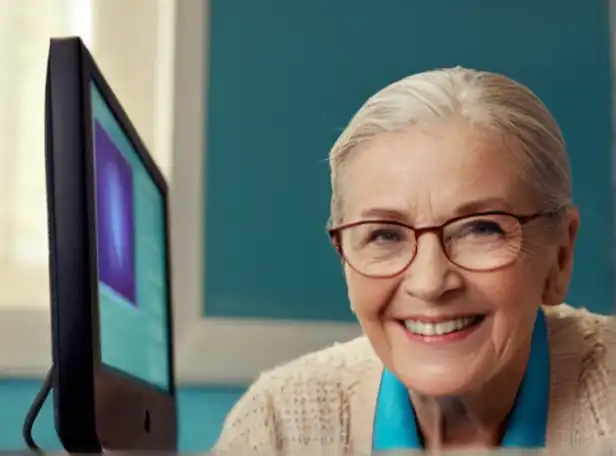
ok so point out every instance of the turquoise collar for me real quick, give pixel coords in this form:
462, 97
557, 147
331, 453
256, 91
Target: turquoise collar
395, 427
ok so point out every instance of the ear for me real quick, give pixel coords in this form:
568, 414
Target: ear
557, 282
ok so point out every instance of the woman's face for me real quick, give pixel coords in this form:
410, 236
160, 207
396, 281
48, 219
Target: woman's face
424, 177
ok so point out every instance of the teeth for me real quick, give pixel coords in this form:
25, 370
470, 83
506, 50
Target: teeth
440, 328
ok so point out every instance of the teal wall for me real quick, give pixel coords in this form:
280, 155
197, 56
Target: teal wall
286, 76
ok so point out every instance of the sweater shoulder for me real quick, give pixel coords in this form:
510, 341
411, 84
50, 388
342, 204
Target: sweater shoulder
579, 330
305, 403
587, 340
338, 365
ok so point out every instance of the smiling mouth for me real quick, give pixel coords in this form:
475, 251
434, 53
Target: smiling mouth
442, 328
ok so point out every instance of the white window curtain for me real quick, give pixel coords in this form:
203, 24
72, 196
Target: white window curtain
132, 41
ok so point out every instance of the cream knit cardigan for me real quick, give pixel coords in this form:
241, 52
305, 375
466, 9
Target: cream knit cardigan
325, 401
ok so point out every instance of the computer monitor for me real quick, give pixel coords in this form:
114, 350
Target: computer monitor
110, 272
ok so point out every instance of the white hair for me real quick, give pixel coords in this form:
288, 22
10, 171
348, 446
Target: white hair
484, 98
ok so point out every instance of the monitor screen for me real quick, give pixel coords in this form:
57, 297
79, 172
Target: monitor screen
131, 243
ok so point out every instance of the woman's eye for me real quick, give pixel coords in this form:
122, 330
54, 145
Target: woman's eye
483, 227
383, 236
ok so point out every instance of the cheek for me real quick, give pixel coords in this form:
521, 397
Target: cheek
514, 295
512, 289
508, 292
369, 297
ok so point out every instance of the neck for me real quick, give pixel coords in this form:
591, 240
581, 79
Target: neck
474, 419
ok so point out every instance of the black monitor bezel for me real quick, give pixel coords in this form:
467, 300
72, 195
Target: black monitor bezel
95, 406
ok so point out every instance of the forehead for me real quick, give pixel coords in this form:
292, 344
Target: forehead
429, 173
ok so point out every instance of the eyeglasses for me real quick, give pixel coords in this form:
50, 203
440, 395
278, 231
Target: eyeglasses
478, 242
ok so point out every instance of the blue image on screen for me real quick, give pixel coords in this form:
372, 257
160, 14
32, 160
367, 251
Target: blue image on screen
131, 242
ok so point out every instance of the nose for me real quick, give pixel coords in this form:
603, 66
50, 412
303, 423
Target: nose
430, 275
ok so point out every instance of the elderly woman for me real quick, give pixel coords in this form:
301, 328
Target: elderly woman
452, 213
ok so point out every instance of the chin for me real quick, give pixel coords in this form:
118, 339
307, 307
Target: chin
437, 381
439, 389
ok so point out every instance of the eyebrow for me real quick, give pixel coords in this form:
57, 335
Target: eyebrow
382, 213
472, 207
482, 205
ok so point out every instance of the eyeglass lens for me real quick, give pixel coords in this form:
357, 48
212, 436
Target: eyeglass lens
480, 242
